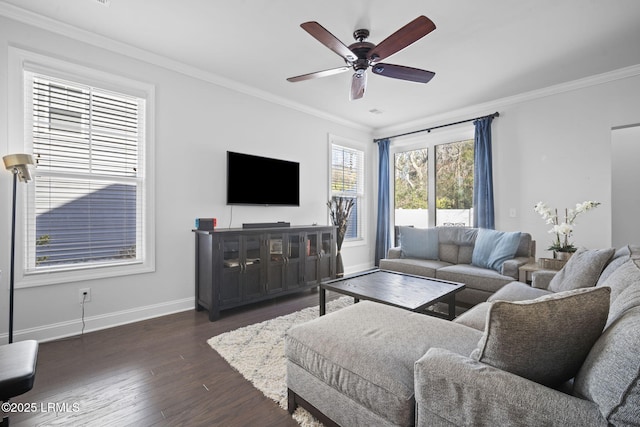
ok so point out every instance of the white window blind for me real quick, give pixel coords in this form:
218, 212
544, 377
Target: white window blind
347, 180
86, 207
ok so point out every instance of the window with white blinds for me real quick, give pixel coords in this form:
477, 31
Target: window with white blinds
86, 207
347, 180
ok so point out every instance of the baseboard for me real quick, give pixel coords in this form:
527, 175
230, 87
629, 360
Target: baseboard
72, 328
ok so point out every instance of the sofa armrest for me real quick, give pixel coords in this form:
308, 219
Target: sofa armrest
540, 279
394, 253
454, 390
510, 267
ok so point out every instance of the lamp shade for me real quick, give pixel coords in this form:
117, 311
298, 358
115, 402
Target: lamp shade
18, 164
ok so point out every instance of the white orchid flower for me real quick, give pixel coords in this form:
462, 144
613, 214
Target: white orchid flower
563, 229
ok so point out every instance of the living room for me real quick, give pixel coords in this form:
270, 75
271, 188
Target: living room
551, 143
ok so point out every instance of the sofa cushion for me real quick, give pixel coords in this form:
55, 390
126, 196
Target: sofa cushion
582, 270
493, 248
462, 236
465, 254
474, 277
628, 299
367, 351
546, 339
610, 376
624, 284
448, 252
456, 244
418, 267
518, 291
619, 257
419, 243
525, 246
476, 317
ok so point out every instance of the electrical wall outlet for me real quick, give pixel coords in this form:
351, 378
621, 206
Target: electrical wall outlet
84, 295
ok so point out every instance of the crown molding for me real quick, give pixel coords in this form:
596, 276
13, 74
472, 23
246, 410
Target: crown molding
497, 104
30, 18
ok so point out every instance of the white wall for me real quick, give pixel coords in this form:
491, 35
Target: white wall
558, 149
196, 123
625, 176
555, 146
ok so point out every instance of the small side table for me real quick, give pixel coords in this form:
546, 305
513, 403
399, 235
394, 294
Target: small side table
525, 271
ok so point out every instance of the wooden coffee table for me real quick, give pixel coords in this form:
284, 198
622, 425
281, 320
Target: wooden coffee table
414, 293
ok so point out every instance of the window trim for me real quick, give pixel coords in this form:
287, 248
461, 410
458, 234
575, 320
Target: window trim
19, 61
363, 210
428, 141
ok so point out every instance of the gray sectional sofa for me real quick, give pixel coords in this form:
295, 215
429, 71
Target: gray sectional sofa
564, 351
451, 258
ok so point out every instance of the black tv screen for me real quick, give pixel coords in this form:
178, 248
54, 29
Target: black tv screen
257, 180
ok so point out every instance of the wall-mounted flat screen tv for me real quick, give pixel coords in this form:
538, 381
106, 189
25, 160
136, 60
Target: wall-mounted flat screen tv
257, 180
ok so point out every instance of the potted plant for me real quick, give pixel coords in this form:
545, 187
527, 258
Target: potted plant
561, 247
340, 211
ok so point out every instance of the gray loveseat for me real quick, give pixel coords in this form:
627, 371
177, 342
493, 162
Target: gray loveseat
451, 259
564, 353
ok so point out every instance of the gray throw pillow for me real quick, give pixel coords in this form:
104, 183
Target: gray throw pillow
620, 256
419, 242
625, 289
582, 270
610, 375
547, 339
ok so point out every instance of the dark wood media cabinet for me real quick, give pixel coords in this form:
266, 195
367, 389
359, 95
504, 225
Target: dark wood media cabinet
238, 266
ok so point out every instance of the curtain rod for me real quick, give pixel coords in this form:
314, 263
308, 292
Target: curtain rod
496, 114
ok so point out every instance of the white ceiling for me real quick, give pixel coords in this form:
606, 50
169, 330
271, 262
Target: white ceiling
480, 50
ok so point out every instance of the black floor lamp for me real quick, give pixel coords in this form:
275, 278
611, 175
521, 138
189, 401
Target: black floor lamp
18, 164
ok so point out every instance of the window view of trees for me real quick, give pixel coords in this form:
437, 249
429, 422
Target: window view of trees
453, 173
454, 183
411, 188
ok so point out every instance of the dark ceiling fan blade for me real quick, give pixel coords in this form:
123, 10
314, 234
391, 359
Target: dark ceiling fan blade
329, 40
402, 72
410, 33
319, 74
358, 86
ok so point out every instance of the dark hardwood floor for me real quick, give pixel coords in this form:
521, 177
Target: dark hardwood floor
158, 372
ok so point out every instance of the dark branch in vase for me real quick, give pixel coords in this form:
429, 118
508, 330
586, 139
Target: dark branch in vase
340, 211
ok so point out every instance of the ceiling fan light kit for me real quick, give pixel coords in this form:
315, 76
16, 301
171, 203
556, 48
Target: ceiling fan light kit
361, 55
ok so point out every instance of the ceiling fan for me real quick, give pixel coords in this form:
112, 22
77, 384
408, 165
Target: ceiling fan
361, 55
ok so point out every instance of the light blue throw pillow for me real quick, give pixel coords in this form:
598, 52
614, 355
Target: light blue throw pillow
493, 248
419, 242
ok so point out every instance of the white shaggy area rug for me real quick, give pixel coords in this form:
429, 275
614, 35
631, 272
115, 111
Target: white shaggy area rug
257, 352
